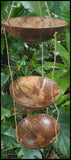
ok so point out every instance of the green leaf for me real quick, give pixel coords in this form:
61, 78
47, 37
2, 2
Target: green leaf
8, 122
13, 73
67, 104
13, 57
3, 5
2, 45
63, 140
46, 54
39, 71
8, 136
31, 5
65, 83
62, 52
18, 10
23, 61
68, 40
66, 11
6, 101
25, 153
50, 65
5, 8
4, 78
62, 78
5, 113
62, 98
57, 75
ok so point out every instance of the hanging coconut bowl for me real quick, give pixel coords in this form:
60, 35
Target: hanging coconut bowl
37, 131
33, 29
34, 92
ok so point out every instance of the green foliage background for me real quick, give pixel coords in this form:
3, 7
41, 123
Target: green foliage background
25, 60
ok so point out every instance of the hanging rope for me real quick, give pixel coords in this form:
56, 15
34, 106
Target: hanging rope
53, 66
10, 68
42, 42
54, 55
10, 11
42, 59
53, 72
39, 8
11, 79
52, 84
48, 9
49, 17
56, 120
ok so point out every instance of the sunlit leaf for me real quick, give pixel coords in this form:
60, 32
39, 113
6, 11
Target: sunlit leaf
5, 113
67, 105
62, 98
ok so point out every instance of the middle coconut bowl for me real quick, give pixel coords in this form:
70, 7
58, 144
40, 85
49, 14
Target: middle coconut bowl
34, 92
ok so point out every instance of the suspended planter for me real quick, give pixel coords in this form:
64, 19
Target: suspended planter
35, 92
33, 29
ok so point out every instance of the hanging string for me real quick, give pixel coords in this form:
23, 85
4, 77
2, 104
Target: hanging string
54, 55
56, 120
11, 80
53, 66
10, 11
52, 84
48, 9
42, 59
42, 42
49, 17
39, 8
10, 67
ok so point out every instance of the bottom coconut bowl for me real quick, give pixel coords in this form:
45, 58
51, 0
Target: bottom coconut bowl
37, 131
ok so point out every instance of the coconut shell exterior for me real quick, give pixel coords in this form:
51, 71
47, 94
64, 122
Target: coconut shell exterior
33, 29
34, 92
37, 131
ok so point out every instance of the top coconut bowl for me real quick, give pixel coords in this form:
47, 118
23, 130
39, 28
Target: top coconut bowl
33, 29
